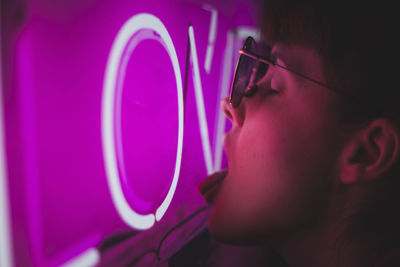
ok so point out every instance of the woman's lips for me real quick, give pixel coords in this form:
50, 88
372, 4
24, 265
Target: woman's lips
210, 187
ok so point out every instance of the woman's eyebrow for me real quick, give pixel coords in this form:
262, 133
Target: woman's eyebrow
278, 55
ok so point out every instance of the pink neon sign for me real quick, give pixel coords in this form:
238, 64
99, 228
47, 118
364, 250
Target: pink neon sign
107, 138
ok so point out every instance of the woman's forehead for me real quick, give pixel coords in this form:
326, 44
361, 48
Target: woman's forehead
299, 57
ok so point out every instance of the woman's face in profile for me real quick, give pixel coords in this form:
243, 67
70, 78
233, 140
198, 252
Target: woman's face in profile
282, 152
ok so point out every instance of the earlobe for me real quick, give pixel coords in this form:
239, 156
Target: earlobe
370, 152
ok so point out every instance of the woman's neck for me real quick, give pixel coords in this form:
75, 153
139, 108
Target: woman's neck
320, 244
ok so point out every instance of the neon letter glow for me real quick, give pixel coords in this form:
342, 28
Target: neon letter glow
133, 25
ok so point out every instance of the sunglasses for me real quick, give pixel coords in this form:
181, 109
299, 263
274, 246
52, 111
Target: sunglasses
252, 67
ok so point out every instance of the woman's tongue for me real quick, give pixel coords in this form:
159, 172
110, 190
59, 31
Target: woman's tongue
210, 186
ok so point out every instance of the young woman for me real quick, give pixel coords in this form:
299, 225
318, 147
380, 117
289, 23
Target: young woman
313, 152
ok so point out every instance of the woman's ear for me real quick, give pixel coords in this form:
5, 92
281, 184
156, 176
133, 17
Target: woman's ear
370, 152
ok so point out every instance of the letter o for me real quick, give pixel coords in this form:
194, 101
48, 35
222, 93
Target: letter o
133, 25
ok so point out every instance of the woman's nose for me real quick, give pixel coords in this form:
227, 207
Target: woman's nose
235, 115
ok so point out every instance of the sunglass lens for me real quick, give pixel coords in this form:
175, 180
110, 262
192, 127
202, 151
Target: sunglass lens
243, 73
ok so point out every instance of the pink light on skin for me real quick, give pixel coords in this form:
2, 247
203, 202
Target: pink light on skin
133, 25
240, 33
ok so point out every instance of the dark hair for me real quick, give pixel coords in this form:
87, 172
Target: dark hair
357, 40
360, 46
